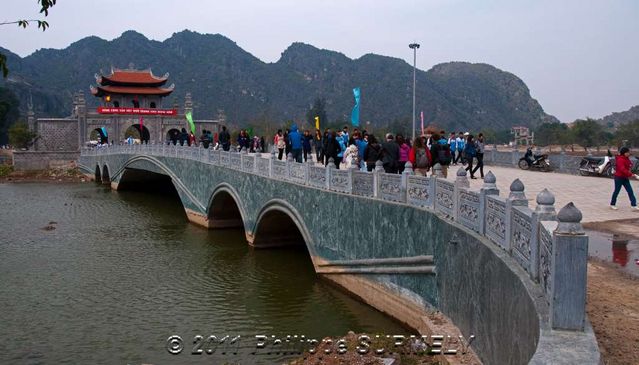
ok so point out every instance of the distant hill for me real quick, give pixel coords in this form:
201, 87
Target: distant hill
221, 75
616, 119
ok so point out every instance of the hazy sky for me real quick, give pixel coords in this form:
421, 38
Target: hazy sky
578, 57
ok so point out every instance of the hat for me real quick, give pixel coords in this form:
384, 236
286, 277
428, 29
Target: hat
466, 133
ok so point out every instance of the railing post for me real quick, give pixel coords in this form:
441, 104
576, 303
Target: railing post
329, 173
461, 182
271, 158
516, 198
437, 171
379, 169
569, 271
289, 161
489, 188
545, 211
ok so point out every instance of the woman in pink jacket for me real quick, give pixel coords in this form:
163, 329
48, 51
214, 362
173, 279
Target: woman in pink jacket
404, 149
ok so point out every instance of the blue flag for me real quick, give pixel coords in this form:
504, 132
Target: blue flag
355, 112
104, 131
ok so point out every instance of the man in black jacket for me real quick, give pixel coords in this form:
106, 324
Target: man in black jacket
390, 155
225, 139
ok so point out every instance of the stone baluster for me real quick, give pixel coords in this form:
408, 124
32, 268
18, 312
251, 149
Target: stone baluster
272, 157
489, 188
461, 182
569, 271
379, 169
545, 211
437, 171
408, 171
516, 198
329, 172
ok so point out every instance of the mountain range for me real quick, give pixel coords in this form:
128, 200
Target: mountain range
221, 75
616, 119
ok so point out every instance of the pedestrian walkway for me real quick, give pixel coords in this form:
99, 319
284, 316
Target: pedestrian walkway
590, 194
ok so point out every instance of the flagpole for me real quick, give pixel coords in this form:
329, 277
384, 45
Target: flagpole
414, 47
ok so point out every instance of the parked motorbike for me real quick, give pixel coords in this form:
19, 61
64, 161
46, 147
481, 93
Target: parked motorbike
598, 166
531, 161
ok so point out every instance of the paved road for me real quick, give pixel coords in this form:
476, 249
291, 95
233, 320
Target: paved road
590, 194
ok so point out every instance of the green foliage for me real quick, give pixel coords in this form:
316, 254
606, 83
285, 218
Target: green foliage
20, 136
9, 112
318, 110
492, 136
628, 132
588, 133
5, 170
552, 134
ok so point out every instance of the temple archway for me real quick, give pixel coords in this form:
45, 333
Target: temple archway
138, 132
98, 135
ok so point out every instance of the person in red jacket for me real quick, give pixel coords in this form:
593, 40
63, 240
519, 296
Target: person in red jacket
622, 178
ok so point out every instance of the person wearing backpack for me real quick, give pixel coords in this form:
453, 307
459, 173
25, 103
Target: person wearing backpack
470, 152
440, 153
420, 157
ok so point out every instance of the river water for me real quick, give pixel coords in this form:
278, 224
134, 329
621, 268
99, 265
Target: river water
93, 276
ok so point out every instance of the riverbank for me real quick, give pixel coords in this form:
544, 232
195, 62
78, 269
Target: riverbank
613, 299
58, 175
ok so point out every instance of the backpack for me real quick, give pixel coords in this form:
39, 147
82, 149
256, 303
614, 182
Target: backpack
443, 155
422, 160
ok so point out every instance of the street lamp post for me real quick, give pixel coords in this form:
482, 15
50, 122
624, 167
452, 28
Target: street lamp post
414, 47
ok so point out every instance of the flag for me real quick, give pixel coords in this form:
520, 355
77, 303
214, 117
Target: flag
355, 112
189, 117
141, 129
316, 122
422, 116
104, 131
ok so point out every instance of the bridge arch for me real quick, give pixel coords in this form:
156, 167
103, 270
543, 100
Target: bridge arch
106, 179
279, 224
225, 209
98, 174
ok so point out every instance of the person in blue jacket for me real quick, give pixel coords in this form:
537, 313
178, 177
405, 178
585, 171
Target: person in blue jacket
295, 139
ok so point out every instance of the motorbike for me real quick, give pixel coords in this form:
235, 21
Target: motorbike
598, 166
531, 161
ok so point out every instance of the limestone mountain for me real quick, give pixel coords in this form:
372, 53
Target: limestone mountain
221, 75
616, 119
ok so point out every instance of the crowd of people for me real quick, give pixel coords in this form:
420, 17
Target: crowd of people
363, 150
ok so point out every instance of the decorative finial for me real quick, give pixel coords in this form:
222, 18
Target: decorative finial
490, 178
569, 218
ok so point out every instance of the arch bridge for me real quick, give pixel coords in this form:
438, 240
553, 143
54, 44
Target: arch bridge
509, 274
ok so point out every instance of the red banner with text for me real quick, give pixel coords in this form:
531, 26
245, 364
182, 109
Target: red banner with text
136, 111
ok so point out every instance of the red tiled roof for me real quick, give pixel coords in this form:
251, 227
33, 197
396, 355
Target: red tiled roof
102, 90
132, 77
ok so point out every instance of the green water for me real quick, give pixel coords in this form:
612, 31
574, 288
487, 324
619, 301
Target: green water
123, 271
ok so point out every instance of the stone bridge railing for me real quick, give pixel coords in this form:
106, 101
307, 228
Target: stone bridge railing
551, 248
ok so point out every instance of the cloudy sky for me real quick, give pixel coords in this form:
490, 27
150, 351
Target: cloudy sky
578, 57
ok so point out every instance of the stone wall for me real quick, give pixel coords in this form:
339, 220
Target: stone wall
559, 162
500, 270
57, 135
41, 160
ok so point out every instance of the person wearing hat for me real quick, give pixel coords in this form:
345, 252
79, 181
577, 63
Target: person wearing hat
622, 178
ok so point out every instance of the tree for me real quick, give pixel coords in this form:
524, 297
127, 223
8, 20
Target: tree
318, 110
628, 132
20, 136
9, 112
45, 6
551, 134
588, 133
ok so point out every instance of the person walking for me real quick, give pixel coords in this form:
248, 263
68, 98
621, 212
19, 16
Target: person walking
295, 141
332, 147
622, 178
372, 153
306, 144
470, 152
404, 149
440, 153
479, 146
225, 139
318, 142
461, 143
280, 143
390, 155
420, 157
452, 142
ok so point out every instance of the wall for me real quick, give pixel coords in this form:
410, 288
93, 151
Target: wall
57, 135
559, 162
42, 160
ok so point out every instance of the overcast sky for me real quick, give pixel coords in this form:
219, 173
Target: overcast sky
578, 57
